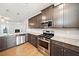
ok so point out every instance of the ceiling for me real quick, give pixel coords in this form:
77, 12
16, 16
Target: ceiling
19, 12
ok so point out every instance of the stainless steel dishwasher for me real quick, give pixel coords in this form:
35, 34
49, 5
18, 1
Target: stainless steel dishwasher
20, 39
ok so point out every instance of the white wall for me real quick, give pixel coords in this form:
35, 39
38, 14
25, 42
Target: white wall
12, 26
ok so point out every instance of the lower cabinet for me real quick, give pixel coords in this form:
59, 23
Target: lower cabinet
3, 43
11, 41
63, 50
68, 52
56, 50
26, 38
32, 39
29, 38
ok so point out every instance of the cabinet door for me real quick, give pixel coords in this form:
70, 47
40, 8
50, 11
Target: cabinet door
34, 40
29, 38
26, 38
3, 42
39, 20
32, 22
58, 16
11, 41
56, 50
35, 22
45, 14
68, 52
48, 13
71, 15
0, 43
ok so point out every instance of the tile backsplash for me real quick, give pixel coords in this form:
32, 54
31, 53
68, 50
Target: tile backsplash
63, 32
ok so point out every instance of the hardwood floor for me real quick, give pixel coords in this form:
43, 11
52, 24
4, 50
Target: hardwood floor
23, 50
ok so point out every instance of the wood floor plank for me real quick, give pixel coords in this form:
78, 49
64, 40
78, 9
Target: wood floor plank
23, 50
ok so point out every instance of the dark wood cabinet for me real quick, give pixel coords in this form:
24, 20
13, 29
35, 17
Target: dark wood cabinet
66, 15
0, 43
35, 22
11, 41
62, 16
32, 39
48, 13
71, 15
29, 38
32, 22
69, 52
26, 38
63, 49
38, 21
56, 50
58, 16
3, 43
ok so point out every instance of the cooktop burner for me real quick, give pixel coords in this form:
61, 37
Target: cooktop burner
49, 36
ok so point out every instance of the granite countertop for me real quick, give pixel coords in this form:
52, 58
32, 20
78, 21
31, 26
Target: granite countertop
34, 33
74, 42
71, 41
9, 34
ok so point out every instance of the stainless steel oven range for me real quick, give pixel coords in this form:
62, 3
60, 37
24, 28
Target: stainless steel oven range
44, 42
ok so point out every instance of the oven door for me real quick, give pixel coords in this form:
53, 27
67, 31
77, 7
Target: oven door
43, 44
44, 47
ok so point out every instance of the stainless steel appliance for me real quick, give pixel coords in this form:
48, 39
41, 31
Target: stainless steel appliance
17, 30
20, 39
47, 24
44, 42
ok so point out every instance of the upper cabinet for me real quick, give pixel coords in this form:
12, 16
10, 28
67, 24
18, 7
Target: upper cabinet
58, 15
66, 15
71, 15
47, 13
47, 17
39, 20
35, 22
61, 16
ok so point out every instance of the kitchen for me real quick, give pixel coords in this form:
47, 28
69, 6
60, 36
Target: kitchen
44, 29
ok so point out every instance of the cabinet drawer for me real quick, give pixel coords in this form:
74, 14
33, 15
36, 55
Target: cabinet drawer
68, 52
